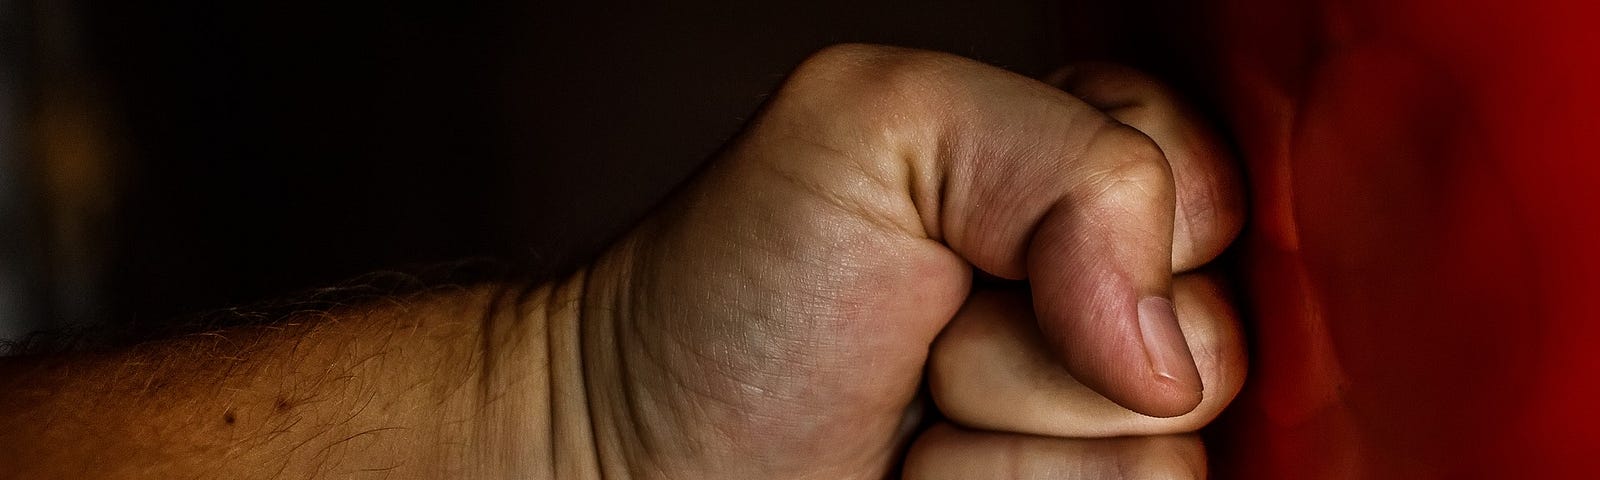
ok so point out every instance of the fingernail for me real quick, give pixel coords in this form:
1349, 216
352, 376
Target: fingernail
1164, 344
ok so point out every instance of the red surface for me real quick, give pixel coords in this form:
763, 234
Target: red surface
1424, 254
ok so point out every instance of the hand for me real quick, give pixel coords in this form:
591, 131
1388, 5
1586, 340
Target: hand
775, 318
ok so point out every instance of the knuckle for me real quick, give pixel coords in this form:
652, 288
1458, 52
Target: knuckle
1127, 162
1204, 224
869, 79
1130, 151
872, 106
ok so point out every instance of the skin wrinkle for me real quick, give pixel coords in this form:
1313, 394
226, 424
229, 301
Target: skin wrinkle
718, 363
1125, 173
1197, 209
897, 87
627, 391
949, 144
926, 201
966, 176
552, 368
726, 369
849, 207
634, 408
590, 356
489, 350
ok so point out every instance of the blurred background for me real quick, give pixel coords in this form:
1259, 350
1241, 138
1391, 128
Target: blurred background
162, 159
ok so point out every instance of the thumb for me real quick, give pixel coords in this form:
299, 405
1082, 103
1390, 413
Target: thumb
1099, 263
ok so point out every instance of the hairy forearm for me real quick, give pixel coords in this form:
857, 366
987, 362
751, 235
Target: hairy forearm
450, 383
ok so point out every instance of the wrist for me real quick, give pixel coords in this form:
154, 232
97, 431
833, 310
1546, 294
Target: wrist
535, 417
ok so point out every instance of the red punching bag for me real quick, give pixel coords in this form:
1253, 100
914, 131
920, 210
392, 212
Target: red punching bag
1422, 265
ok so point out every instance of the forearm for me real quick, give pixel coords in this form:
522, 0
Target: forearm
446, 384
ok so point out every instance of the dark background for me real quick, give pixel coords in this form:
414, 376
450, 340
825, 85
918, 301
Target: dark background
249, 149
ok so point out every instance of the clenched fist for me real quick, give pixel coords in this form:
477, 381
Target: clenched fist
776, 317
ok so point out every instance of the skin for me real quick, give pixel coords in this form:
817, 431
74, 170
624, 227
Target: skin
774, 319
